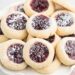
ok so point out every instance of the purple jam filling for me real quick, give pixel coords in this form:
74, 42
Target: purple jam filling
15, 53
64, 19
39, 52
16, 21
51, 39
20, 8
70, 49
39, 5
40, 22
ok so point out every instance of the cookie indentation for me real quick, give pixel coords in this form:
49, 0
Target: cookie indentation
15, 53
64, 19
16, 21
39, 5
70, 49
40, 22
51, 39
39, 52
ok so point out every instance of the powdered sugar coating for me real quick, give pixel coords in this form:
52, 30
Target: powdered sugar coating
15, 53
70, 49
40, 22
16, 21
39, 52
64, 19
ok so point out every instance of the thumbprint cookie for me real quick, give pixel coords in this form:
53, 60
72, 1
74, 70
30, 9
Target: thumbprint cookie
41, 26
11, 55
38, 53
13, 25
65, 22
38, 6
65, 50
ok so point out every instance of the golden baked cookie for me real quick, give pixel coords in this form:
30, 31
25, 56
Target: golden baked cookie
65, 50
32, 7
41, 26
11, 55
38, 53
13, 25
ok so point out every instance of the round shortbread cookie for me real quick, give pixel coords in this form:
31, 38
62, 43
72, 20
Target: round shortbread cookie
65, 22
41, 26
11, 55
38, 6
13, 25
65, 50
38, 53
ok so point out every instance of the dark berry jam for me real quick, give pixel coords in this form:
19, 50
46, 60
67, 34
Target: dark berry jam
39, 5
39, 52
51, 39
20, 8
72, 35
41, 22
1, 33
70, 49
15, 53
64, 19
16, 21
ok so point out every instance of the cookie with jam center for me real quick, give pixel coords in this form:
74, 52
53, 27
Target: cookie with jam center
66, 49
11, 53
54, 39
13, 25
41, 26
38, 53
65, 22
32, 7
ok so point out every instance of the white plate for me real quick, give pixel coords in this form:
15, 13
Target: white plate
61, 71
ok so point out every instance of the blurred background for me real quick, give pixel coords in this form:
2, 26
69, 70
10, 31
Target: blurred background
5, 3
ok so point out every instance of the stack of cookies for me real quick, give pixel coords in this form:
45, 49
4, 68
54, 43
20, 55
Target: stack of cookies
39, 34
